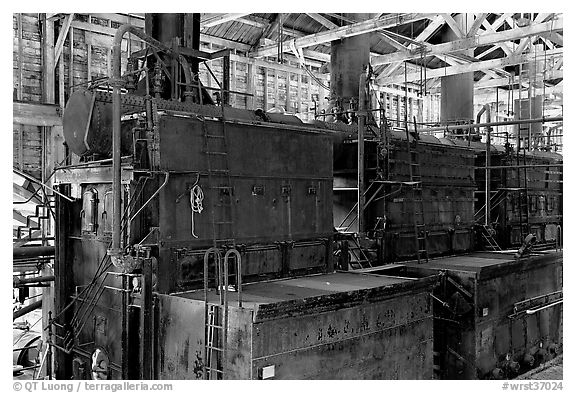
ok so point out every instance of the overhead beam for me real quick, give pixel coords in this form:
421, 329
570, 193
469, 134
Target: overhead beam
480, 18
35, 114
322, 20
524, 43
62, 37
392, 42
453, 25
471, 42
252, 22
491, 83
345, 31
482, 65
220, 19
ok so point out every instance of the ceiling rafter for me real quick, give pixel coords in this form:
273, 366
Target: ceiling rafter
346, 31
453, 25
322, 20
472, 42
479, 66
480, 18
541, 17
220, 19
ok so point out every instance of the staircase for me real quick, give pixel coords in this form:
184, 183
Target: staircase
488, 236
358, 257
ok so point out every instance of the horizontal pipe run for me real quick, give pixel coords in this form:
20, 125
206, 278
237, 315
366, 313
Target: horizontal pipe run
495, 123
529, 312
25, 310
21, 281
30, 252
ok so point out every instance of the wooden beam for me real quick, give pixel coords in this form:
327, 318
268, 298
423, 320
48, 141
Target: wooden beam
251, 22
453, 25
471, 42
133, 20
482, 65
209, 39
524, 43
392, 42
48, 78
20, 53
492, 83
35, 114
71, 61
480, 18
62, 37
322, 20
345, 31
220, 19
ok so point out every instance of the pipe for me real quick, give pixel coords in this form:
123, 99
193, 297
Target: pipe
530, 312
30, 252
116, 82
25, 310
495, 123
486, 108
18, 281
361, 124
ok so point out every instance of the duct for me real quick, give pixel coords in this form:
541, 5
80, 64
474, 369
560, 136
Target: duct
457, 91
348, 58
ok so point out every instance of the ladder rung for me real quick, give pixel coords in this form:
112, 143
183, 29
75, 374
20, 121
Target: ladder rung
219, 170
214, 136
214, 348
215, 326
222, 187
221, 153
214, 369
223, 222
423, 250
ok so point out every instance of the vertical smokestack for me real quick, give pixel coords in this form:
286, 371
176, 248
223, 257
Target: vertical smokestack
348, 57
184, 29
457, 91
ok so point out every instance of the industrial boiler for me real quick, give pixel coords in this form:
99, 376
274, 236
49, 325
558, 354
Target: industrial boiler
199, 242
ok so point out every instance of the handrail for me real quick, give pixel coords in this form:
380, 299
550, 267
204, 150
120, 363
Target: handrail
34, 180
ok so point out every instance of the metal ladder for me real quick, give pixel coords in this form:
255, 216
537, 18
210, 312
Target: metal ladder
216, 315
215, 148
418, 219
